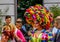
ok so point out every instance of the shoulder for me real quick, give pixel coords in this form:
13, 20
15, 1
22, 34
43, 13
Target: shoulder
4, 26
12, 25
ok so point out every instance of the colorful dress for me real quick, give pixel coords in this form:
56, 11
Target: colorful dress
43, 36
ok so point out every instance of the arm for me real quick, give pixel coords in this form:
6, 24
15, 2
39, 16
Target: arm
20, 35
17, 38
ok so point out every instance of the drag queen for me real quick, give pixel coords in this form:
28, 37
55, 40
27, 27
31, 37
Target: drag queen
40, 19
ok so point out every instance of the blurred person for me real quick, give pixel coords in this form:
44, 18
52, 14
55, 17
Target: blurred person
22, 27
28, 28
54, 29
57, 37
20, 36
8, 30
58, 34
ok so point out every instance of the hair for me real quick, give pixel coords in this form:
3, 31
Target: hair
18, 21
7, 17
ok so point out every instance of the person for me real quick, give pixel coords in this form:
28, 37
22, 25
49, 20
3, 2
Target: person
41, 22
57, 37
58, 34
20, 36
38, 32
27, 29
24, 29
8, 30
54, 29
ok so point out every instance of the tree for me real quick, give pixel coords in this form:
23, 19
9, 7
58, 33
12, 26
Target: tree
55, 9
24, 4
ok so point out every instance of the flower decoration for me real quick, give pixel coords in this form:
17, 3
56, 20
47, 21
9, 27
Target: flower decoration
38, 13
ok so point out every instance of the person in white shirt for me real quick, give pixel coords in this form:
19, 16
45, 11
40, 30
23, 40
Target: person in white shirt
54, 30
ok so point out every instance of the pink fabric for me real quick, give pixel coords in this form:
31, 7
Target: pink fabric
20, 35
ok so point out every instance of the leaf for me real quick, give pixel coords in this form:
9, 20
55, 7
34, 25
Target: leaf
55, 9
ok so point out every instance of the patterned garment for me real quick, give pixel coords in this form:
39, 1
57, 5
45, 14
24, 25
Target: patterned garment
43, 36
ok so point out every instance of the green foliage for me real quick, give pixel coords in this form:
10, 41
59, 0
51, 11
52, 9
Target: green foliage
24, 4
55, 9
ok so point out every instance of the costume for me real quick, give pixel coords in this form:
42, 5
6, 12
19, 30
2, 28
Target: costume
42, 36
44, 18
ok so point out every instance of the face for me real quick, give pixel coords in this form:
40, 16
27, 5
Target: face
8, 20
19, 23
36, 25
55, 24
58, 26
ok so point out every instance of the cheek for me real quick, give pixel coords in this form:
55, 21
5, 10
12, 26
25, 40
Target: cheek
6, 21
58, 26
9, 21
55, 24
18, 24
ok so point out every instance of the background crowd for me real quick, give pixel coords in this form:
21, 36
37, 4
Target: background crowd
21, 32
38, 27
